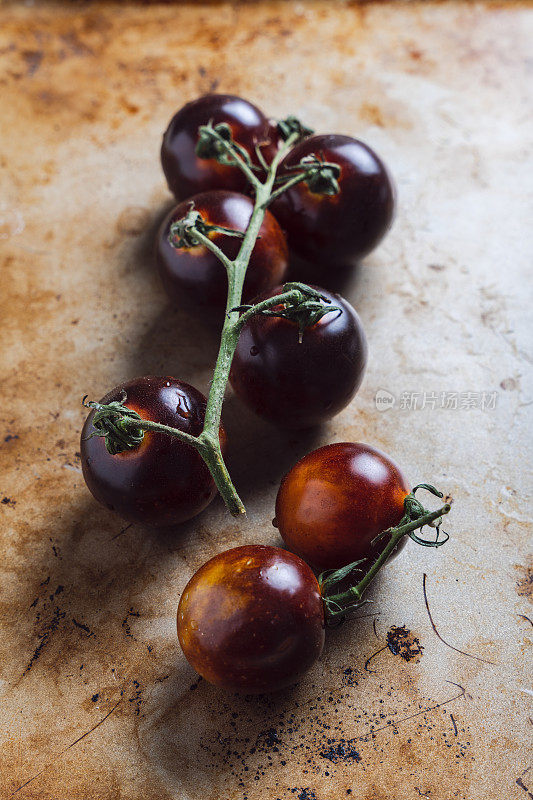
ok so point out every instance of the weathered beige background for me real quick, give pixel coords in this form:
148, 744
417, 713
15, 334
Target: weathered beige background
96, 699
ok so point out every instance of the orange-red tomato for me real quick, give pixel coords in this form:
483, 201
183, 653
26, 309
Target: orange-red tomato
336, 500
252, 619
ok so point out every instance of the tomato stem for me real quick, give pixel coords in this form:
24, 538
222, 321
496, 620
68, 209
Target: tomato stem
336, 606
119, 425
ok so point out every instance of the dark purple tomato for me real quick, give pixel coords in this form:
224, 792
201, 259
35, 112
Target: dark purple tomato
252, 619
343, 227
162, 481
195, 274
187, 174
336, 500
299, 384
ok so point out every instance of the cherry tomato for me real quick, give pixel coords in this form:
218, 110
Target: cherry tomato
335, 500
186, 173
298, 384
252, 619
346, 226
162, 481
196, 274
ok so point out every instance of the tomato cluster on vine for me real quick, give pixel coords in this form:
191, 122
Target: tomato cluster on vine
253, 618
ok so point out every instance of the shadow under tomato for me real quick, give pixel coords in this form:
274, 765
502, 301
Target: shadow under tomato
177, 343
82, 592
260, 453
341, 278
205, 741
143, 233
200, 738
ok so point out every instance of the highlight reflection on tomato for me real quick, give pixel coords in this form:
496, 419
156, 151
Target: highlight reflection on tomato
346, 226
252, 619
162, 481
186, 173
196, 274
336, 500
295, 383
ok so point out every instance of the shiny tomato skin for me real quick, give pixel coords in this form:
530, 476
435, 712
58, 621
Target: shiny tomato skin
252, 619
300, 384
186, 173
195, 274
344, 227
163, 481
335, 500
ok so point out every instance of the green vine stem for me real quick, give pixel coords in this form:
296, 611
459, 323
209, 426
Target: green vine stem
121, 427
338, 604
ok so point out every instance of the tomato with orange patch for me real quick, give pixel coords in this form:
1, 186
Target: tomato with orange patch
162, 481
336, 500
252, 619
196, 275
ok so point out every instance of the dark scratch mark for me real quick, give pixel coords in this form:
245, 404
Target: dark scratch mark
454, 725
375, 630
27, 783
462, 693
137, 697
462, 652
126, 625
367, 662
53, 625
87, 733
523, 616
121, 532
55, 550
519, 782
83, 627
62, 752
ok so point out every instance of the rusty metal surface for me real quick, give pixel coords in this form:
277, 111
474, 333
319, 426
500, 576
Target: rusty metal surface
96, 699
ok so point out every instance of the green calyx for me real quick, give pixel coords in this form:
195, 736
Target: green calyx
320, 176
191, 230
304, 305
338, 605
112, 422
216, 142
292, 125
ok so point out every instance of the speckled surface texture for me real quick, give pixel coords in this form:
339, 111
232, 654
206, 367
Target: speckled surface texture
96, 699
